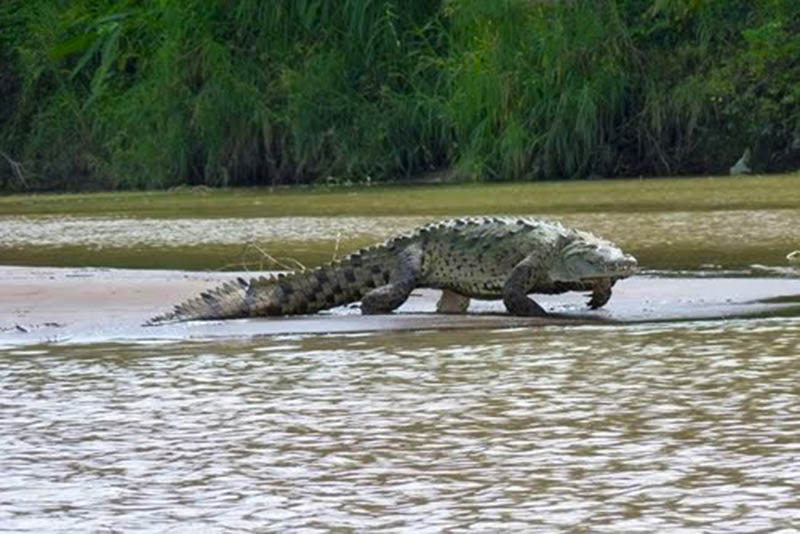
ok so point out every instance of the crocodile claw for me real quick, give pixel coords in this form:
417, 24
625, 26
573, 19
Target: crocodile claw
597, 301
600, 294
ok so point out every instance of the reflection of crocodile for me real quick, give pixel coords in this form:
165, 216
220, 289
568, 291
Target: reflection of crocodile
484, 258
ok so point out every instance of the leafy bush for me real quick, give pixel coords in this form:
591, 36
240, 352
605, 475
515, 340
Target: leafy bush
132, 94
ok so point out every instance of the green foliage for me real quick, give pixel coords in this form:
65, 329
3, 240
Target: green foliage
132, 94
538, 90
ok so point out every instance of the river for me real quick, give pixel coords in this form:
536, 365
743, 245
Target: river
634, 428
659, 422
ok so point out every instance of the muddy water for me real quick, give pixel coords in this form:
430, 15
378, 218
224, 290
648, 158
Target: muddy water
632, 428
675, 239
636, 428
722, 228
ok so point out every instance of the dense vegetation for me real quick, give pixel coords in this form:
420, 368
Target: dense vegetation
152, 94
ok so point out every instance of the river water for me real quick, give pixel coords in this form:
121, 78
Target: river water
689, 426
673, 239
728, 228
628, 428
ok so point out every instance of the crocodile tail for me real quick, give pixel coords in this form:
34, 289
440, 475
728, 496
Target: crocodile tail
225, 301
333, 284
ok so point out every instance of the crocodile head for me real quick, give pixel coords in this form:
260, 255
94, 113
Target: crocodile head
586, 258
794, 257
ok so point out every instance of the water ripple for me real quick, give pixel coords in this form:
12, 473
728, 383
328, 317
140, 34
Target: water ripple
639, 428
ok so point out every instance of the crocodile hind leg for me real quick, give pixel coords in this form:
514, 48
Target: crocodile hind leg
452, 302
391, 296
386, 298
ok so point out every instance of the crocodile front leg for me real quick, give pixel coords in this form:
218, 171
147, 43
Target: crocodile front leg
515, 292
601, 292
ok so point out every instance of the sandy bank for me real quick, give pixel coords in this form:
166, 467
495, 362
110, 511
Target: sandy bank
94, 305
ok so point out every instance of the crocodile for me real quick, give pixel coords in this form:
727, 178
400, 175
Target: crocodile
483, 257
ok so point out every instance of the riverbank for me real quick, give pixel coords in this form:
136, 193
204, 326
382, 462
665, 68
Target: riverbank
49, 305
695, 224
700, 193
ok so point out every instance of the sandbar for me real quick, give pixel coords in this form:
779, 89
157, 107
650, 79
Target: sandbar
91, 305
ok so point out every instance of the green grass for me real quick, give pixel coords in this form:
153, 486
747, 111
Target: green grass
673, 194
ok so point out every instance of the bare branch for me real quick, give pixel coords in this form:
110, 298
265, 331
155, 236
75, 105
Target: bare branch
17, 169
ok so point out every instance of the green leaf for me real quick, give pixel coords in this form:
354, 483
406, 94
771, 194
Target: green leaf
71, 46
87, 55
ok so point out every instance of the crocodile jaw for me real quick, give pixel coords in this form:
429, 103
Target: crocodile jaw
622, 268
587, 260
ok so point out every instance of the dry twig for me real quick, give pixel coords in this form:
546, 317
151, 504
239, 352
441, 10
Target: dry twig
17, 169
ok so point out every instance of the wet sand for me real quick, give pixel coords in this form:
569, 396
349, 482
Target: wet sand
89, 305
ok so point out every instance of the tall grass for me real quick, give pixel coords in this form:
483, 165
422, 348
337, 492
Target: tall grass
538, 89
131, 94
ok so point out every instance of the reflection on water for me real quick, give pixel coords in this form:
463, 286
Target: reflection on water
636, 428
